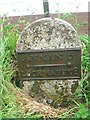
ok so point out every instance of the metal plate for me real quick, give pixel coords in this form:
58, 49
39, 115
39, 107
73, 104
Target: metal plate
49, 64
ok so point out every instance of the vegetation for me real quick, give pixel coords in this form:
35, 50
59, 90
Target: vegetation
9, 36
72, 18
81, 109
9, 108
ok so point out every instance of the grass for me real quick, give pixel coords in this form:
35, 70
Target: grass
81, 109
8, 105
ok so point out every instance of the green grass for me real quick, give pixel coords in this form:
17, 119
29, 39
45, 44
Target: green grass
81, 109
8, 107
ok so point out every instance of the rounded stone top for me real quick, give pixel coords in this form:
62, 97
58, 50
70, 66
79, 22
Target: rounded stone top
48, 33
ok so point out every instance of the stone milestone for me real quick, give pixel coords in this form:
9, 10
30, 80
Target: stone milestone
49, 34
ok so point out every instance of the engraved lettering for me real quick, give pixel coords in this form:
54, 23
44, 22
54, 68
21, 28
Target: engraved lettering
24, 75
70, 71
24, 59
69, 57
64, 72
49, 57
49, 64
39, 73
48, 73
28, 66
42, 57
32, 57
60, 56
75, 70
28, 74
57, 72
33, 73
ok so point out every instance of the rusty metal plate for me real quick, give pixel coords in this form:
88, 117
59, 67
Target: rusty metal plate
49, 64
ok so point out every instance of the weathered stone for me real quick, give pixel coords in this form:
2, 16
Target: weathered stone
48, 33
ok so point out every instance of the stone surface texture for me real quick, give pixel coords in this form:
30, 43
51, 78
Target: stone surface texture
49, 33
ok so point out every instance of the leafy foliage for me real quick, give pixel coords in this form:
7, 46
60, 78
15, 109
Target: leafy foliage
67, 16
73, 19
